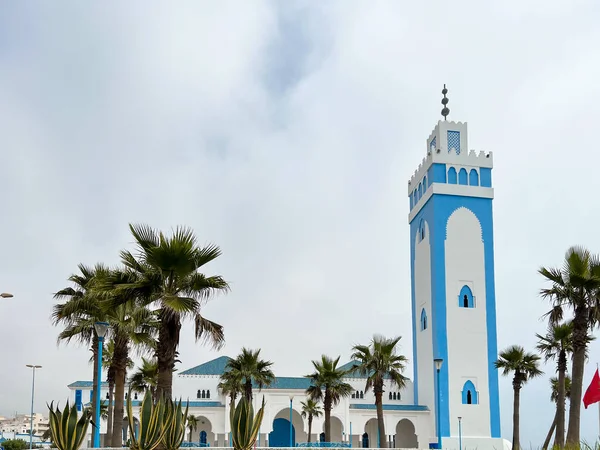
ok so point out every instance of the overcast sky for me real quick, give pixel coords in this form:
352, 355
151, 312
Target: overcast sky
285, 132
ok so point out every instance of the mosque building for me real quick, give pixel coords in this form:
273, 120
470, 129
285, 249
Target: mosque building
453, 399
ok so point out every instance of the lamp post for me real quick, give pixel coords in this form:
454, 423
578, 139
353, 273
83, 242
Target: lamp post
32, 367
291, 427
101, 329
438, 366
459, 433
6, 295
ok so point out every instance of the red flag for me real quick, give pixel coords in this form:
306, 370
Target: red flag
592, 393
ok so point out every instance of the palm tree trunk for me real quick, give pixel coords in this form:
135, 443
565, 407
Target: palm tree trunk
109, 422
190, 435
120, 357
248, 389
559, 440
95, 380
580, 328
166, 347
550, 433
380, 424
309, 427
516, 406
327, 409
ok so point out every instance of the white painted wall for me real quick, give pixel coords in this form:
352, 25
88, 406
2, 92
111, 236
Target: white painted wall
422, 277
466, 327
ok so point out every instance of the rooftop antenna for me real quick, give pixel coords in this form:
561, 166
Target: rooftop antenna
445, 110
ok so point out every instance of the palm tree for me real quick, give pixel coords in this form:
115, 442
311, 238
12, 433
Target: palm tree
557, 344
525, 366
107, 358
249, 368
146, 377
231, 385
130, 325
310, 409
554, 397
378, 361
328, 385
78, 314
192, 424
575, 286
165, 272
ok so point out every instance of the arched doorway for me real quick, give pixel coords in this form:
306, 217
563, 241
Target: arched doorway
203, 434
280, 436
371, 430
406, 436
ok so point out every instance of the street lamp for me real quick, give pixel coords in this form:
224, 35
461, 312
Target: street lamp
438, 365
291, 428
101, 329
6, 295
32, 367
459, 433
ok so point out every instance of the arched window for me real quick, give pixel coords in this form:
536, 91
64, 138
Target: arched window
462, 177
452, 175
465, 298
473, 178
421, 231
423, 320
354, 395
125, 395
390, 395
198, 394
203, 394
357, 394
362, 395
107, 397
135, 397
469, 394
420, 190
207, 394
416, 198
399, 398
424, 184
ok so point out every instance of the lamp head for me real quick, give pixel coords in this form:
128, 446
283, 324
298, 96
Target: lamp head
6, 295
101, 329
438, 363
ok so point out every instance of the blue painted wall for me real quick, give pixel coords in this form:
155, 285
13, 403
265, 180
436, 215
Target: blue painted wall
78, 400
280, 436
436, 212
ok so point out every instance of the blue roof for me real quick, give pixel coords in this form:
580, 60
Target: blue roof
390, 407
213, 367
289, 383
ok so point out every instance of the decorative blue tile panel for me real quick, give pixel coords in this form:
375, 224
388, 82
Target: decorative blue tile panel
454, 141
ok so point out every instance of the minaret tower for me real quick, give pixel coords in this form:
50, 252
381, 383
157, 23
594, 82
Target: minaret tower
452, 282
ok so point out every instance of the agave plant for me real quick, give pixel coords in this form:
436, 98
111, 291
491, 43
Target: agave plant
245, 425
175, 423
152, 423
67, 432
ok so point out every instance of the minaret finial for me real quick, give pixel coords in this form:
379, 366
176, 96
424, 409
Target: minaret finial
445, 110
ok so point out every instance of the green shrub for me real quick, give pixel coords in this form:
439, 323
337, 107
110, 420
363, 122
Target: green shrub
244, 425
68, 433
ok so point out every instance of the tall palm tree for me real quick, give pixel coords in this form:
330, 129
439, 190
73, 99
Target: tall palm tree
557, 344
250, 368
310, 409
328, 385
78, 314
130, 325
554, 397
107, 358
524, 366
379, 361
166, 272
575, 286
231, 385
192, 424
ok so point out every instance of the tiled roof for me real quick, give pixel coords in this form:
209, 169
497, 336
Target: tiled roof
213, 367
191, 404
390, 407
289, 383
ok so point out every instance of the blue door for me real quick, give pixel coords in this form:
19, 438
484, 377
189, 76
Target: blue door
280, 436
203, 438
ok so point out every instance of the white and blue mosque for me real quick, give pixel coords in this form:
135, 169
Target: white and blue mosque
453, 397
